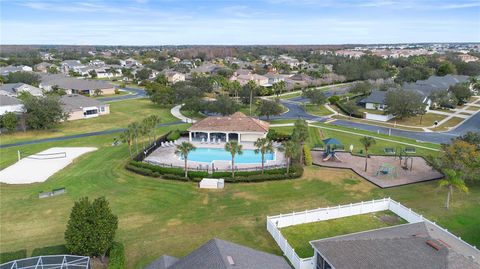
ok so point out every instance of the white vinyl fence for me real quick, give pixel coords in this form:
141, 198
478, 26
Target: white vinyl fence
377, 117
274, 223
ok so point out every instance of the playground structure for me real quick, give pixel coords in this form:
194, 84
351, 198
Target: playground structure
383, 171
403, 155
331, 144
387, 169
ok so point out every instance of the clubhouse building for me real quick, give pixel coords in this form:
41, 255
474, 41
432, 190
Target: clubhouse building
237, 127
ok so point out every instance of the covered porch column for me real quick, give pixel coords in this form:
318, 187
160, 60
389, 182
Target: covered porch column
190, 136
208, 137
226, 137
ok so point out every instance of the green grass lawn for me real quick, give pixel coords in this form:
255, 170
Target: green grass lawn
121, 114
354, 139
317, 110
299, 236
473, 108
290, 95
158, 217
428, 120
449, 123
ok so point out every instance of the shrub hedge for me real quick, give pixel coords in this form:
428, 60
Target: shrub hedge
276, 136
50, 250
348, 111
151, 170
14, 255
308, 155
173, 135
116, 256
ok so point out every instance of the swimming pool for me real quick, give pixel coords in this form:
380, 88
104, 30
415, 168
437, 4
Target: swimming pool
208, 155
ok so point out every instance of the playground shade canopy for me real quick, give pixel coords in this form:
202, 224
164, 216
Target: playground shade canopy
40, 166
331, 141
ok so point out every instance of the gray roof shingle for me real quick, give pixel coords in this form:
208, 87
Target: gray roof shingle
74, 102
215, 255
376, 97
402, 246
9, 101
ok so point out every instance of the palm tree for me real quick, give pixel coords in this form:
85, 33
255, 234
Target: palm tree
281, 86
263, 145
367, 142
183, 150
234, 148
300, 135
127, 137
451, 180
135, 129
251, 86
147, 128
155, 120
289, 149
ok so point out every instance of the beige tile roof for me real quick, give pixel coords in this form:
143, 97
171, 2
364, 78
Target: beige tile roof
237, 122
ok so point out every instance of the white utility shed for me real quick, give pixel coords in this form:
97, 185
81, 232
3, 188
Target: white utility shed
211, 183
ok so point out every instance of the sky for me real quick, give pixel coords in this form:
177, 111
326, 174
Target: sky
242, 22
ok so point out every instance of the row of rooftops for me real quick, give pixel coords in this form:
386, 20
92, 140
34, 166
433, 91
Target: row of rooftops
422, 87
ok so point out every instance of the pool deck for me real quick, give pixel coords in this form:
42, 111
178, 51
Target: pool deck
166, 157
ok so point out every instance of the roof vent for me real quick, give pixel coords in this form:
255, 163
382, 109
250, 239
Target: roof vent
433, 245
230, 260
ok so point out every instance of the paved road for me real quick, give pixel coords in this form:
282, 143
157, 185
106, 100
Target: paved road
68, 137
296, 111
134, 94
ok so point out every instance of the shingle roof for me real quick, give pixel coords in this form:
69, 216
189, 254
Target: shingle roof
163, 262
74, 102
16, 88
220, 254
9, 101
237, 122
376, 97
402, 246
70, 83
434, 83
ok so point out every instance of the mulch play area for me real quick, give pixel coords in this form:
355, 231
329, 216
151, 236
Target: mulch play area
383, 171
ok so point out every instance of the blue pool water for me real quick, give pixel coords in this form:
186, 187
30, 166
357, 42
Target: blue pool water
216, 154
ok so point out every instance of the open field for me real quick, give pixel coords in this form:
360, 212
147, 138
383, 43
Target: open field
169, 217
121, 114
317, 110
299, 236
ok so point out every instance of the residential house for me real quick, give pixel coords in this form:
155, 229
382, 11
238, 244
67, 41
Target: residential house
4, 71
43, 67
258, 79
220, 254
15, 89
413, 245
291, 62
174, 77
82, 107
46, 56
350, 53
242, 71
76, 85
274, 78
468, 58
71, 65
376, 100
434, 84
10, 104
189, 64
206, 68
130, 62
